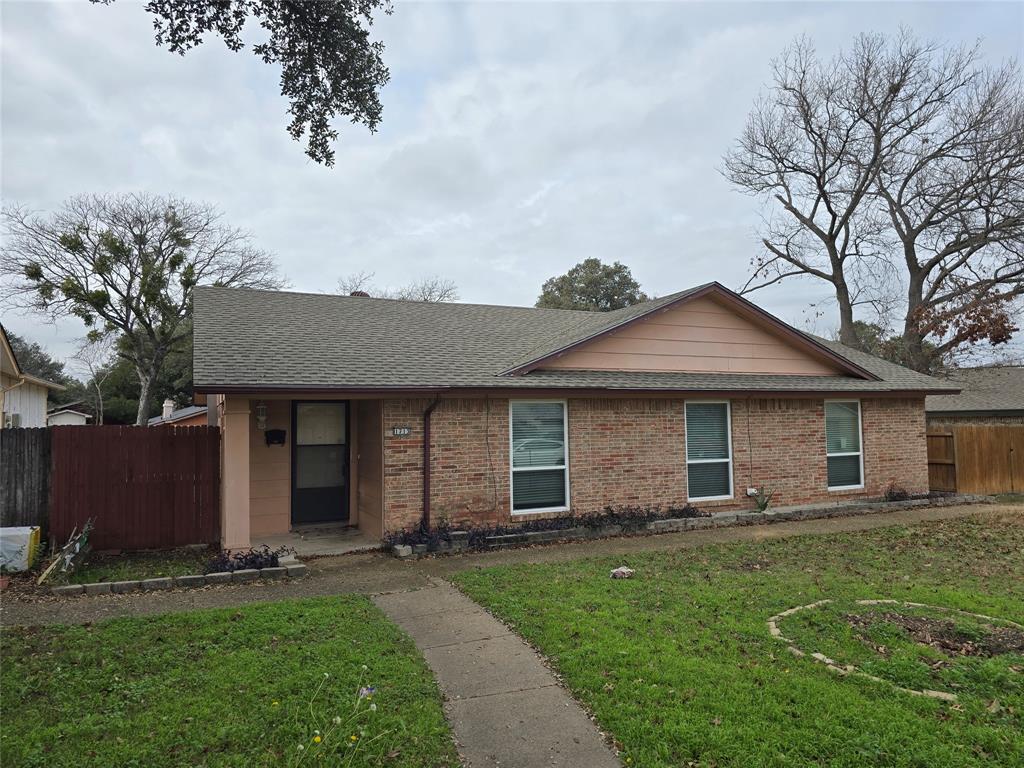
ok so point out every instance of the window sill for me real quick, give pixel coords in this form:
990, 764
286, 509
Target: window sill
841, 488
545, 511
710, 498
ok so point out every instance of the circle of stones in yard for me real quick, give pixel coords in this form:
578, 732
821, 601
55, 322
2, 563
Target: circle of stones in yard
850, 669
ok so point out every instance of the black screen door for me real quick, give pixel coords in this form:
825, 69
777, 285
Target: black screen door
320, 462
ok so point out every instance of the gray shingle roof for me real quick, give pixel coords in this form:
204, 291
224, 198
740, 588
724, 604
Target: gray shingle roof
983, 390
248, 339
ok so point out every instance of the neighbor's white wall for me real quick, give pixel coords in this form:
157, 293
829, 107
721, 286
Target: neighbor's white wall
29, 400
65, 419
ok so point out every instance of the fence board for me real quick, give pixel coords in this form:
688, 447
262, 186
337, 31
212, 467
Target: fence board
24, 477
942, 462
145, 488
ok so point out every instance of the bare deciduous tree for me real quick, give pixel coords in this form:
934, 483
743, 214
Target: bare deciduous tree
430, 289
94, 359
895, 173
127, 264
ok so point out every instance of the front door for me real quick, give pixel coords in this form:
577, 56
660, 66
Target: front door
319, 462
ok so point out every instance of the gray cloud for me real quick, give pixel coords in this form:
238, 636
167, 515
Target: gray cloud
518, 138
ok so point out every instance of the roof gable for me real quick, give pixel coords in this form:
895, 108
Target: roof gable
708, 329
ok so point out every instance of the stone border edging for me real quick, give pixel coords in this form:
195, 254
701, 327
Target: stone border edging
679, 524
850, 669
192, 581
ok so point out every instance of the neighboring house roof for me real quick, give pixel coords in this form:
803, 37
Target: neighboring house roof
248, 340
983, 390
9, 365
67, 407
182, 413
58, 411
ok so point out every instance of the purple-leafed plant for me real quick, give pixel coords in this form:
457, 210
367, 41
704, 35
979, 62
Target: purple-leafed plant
240, 560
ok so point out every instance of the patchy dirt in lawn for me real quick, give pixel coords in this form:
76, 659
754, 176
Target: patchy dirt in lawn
942, 634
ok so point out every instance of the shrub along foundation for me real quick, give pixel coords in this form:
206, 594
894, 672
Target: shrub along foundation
638, 520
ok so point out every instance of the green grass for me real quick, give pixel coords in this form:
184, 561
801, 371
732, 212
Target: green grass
137, 565
221, 688
1010, 498
677, 663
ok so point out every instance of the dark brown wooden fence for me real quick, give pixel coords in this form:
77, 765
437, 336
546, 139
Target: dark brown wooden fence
24, 477
145, 488
977, 459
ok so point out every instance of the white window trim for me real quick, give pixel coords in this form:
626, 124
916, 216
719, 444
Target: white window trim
860, 441
686, 449
512, 469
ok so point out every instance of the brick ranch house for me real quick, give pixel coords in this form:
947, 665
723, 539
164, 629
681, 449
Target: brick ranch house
381, 413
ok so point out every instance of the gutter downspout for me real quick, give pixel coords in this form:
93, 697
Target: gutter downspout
425, 521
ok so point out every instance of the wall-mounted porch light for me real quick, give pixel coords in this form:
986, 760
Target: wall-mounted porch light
261, 416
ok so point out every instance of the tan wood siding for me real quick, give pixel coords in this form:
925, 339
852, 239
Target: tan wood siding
700, 336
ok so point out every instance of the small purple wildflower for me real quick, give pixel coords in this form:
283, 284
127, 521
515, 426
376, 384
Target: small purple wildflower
367, 691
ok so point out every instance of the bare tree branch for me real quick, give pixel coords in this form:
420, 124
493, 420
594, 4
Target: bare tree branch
894, 172
431, 289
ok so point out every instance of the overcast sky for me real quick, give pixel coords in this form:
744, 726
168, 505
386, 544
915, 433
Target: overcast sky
517, 138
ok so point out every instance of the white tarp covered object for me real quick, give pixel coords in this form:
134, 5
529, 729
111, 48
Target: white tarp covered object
18, 547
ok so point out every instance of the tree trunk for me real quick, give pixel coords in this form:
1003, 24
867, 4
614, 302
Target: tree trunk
913, 339
145, 393
99, 405
847, 331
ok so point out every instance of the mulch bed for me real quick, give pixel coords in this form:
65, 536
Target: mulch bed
942, 634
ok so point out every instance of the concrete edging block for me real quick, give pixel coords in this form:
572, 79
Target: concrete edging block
68, 589
246, 574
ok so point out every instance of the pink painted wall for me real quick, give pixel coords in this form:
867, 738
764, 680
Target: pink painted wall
270, 489
700, 336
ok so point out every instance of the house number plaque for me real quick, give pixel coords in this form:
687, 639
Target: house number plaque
401, 431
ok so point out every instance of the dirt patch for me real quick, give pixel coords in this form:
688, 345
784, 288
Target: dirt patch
943, 635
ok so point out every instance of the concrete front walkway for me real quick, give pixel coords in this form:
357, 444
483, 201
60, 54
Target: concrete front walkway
505, 707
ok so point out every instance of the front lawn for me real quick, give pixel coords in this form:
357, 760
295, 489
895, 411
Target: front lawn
255, 686
678, 665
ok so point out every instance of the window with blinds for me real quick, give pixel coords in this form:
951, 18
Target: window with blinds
708, 451
539, 449
842, 445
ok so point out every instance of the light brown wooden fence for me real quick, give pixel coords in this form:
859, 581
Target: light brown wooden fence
941, 461
977, 459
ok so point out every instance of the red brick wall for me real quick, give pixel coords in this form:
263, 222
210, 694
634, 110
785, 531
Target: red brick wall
632, 452
469, 471
626, 452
